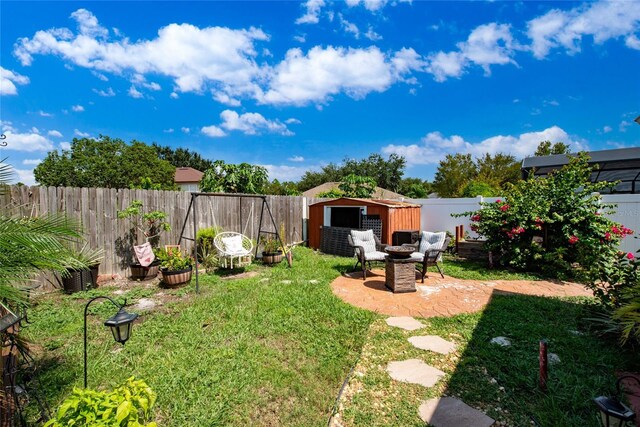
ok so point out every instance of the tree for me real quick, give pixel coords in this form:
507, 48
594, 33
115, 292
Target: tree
545, 148
182, 157
357, 186
285, 188
454, 172
480, 188
385, 173
232, 178
498, 170
415, 188
104, 162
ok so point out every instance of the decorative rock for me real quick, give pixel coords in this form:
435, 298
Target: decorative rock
120, 292
553, 358
265, 279
145, 304
405, 322
433, 343
314, 281
414, 371
503, 341
452, 412
286, 282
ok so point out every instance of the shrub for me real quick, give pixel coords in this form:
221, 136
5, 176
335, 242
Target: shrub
554, 224
128, 405
173, 259
207, 253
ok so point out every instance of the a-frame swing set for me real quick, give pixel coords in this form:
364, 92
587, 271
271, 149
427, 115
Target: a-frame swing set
192, 210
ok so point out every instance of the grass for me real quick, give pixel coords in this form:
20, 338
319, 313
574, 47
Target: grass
477, 270
256, 351
501, 381
273, 349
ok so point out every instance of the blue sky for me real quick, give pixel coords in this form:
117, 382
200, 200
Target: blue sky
296, 85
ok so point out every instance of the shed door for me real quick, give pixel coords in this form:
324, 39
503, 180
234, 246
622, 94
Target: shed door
343, 216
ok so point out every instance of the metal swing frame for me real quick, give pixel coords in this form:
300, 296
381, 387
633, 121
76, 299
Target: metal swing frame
192, 210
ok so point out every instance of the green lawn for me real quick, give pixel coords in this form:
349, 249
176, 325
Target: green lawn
274, 349
243, 352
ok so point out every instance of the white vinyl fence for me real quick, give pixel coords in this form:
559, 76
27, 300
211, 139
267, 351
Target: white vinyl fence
436, 214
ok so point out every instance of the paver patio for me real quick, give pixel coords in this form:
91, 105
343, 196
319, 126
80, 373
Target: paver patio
438, 296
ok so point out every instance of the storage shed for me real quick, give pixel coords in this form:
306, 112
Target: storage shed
332, 219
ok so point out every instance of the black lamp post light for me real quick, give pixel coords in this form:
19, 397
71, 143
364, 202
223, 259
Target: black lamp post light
120, 324
614, 413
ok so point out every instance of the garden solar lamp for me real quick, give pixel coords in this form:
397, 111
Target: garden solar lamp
120, 324
614, 413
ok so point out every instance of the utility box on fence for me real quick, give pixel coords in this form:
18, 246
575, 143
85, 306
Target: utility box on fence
332, 219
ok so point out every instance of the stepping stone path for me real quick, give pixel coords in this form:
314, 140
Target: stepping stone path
414, 371
502, 341
452, 412
433, 343
405, 322
439, 412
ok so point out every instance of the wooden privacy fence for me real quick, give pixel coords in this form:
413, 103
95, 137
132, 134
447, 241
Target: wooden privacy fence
97, 210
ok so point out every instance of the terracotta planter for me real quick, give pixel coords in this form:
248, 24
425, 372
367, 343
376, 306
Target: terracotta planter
139, 272
178, 277
272, 257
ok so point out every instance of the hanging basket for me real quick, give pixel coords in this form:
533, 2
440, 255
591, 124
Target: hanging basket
178, 277
139, 272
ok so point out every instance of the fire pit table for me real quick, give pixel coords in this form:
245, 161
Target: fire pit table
400, 273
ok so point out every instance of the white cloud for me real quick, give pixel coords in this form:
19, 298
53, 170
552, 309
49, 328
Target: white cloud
372, 35
44, 114
622, 127
152, 86
323, 72
100, 76
106, 93
65, 146
54, 133
77, 132
225, 99
252, 124
300, 38
489, 44
170, 130
31, 162
312, 12
134, 93
374, 5
286, 173
8, 81
77, 108
349, 27
292, 121
296, 159
30, 141
185, 130
25, 176
213, 131
603, 20
174, 95
435, 146
194, 57
607, 129
553, 103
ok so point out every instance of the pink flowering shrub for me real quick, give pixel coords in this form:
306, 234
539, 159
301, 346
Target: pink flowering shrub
553, 224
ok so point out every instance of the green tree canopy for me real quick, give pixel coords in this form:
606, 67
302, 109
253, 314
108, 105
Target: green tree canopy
285, 188
546, 148
183, 157
415, 188
454, 172
357, 186
234, 178
106, 163
386, 173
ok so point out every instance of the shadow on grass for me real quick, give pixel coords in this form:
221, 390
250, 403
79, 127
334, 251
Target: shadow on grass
494, 378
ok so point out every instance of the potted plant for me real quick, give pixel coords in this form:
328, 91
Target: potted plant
151, 225
271, 250
175, 265
80, 279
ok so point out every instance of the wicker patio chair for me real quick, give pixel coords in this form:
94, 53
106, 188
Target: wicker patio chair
429, 249
367, 248
233, 246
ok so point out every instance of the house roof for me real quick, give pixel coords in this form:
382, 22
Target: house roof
186, 175
379, 202
612, 165
378, 193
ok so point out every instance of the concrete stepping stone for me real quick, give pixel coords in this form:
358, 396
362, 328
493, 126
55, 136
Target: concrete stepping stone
405, 322
145, 304
452, 412
502, 341
433, 343
414, 371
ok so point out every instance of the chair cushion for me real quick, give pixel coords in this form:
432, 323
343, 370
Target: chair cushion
364, 239
417, 257
375, 256
430, 241
233, 244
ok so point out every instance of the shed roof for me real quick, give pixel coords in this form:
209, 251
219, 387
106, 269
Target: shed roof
378, 193
184, 175
379, 202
